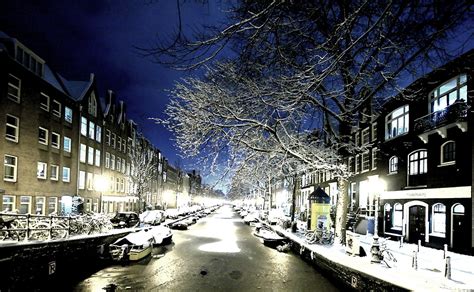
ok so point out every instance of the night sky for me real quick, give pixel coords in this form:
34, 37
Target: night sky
77, 38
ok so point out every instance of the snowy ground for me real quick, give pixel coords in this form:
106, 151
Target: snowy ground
428, 277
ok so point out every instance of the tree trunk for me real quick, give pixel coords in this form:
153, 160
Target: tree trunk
293, 200
341, 209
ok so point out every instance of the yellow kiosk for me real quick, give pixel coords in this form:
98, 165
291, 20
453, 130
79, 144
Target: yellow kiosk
320, 205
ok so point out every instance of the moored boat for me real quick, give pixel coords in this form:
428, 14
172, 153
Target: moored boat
133, 247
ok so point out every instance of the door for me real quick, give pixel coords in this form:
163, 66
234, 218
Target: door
417, 224
460, 241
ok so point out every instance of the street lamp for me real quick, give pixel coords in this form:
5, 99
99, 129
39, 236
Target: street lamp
377, 186
101, 185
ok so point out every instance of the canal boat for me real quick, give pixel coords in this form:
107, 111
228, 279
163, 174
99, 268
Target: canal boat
269, 237
162, 235
133, 247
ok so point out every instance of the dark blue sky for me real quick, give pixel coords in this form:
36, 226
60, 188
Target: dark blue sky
80, 37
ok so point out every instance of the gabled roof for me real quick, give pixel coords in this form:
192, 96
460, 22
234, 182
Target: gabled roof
76, 89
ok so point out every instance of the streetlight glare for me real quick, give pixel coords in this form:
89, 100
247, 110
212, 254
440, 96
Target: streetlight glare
101, 183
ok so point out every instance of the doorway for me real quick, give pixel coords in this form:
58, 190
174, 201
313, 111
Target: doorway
416, 223
458, 240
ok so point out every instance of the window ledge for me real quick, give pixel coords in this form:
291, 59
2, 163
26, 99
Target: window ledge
436, 234
393, 173
416, 187
447, 164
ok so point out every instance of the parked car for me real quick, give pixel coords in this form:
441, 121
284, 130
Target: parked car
152, 217
125, 220
172, 213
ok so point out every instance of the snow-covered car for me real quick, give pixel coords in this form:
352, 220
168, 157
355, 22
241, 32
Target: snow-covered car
251, 217
152, 217
172, 213
243, 213
274, 216
125, 220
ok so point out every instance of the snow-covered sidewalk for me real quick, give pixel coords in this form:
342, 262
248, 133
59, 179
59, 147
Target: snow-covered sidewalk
429, 276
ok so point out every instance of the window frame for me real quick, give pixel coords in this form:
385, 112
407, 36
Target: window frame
90, 155
44, 167
365, 136
373, 153
28, 204
10, 96
91, 131
51, 177
8, 165
68, 171
84, 126
56, 112
83, 153
56, 145
82, 180
435, 228
92, 105
435, 95
52, 201
365, 159
442, 158
67, 149
68, 114
419, 161
97, 157
44, 106
389, 119
98, 134
44, 141
107, 160
16, 128
393, 165
397, 222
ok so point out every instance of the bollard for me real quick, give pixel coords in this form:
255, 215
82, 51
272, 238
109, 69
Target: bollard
445, 251
419, 244
447, 270
414, 262
401, 241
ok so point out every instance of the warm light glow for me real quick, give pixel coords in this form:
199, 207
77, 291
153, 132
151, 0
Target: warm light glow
101, 184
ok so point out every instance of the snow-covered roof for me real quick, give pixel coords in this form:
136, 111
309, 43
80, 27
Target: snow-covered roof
50, 77
76, 89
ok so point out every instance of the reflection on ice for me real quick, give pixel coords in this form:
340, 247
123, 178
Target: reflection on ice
221, 246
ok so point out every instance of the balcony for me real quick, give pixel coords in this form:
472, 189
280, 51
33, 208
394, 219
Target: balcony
440, 121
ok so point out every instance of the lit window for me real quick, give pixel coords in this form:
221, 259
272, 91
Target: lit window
12, 128
55, 140
82, 155
66, 174
365, 161
82, 180
448, 93
439, 219
90, 181
458, 209
56, 108
374, 158
42, 170
397, 122
14, 88
97, 157
107, 160
107, 137
10, 168
68, 114
98, 134
397, 215
43, 136
40, 205
448, 153
83, 126
67, 144
91, 130
52, 205
418, 162
44, 102
393, 165
112, 162
90, 156
54, 172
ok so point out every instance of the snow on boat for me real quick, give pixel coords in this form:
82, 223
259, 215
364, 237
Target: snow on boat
269, 237
162, 235
133, 247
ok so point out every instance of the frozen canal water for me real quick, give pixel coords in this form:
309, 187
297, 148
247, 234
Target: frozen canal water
219, 253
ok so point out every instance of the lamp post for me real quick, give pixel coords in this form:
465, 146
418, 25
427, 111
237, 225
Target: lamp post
377, 185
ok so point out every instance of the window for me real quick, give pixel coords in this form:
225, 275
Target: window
54, 172
374, 158
393, 164
8, 203
119, 164
98, 134
398, 215
122, 185
43, 136
112, 162
42, 170
82, 155
27, 59
439, 219
91, 130
92, 105
365, 161
448, 153
112, 184
397, 122
113, 140
14, 88
97, 157
356, 139
10, 168
107, 160
107, 137
365, 136
90, 181
40, 205
12, 128
117, 184
357, 165
82, 180
66, 174
448, 93
25, 205
44, 102
119, 143
90, 156
67, 144
123, 165
458, 209
83, 126
68, 114
56, 108
374, 132
418, 162
55, 140
52, 205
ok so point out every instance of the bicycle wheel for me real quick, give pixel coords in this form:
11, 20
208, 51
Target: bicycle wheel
389, 259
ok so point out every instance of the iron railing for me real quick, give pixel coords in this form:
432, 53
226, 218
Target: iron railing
454, 113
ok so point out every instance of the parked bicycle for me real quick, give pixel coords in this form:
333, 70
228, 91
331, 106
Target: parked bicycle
386, 255
321, 236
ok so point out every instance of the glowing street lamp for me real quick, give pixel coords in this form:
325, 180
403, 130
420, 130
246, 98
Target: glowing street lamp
377, 186
101, 184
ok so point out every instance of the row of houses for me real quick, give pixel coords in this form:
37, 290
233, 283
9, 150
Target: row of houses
412, 171
63, 142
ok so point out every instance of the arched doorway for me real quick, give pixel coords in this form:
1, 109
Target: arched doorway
458, 228
416, 221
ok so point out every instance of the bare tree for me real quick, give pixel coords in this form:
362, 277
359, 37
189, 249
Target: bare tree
304, 73
143, 169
